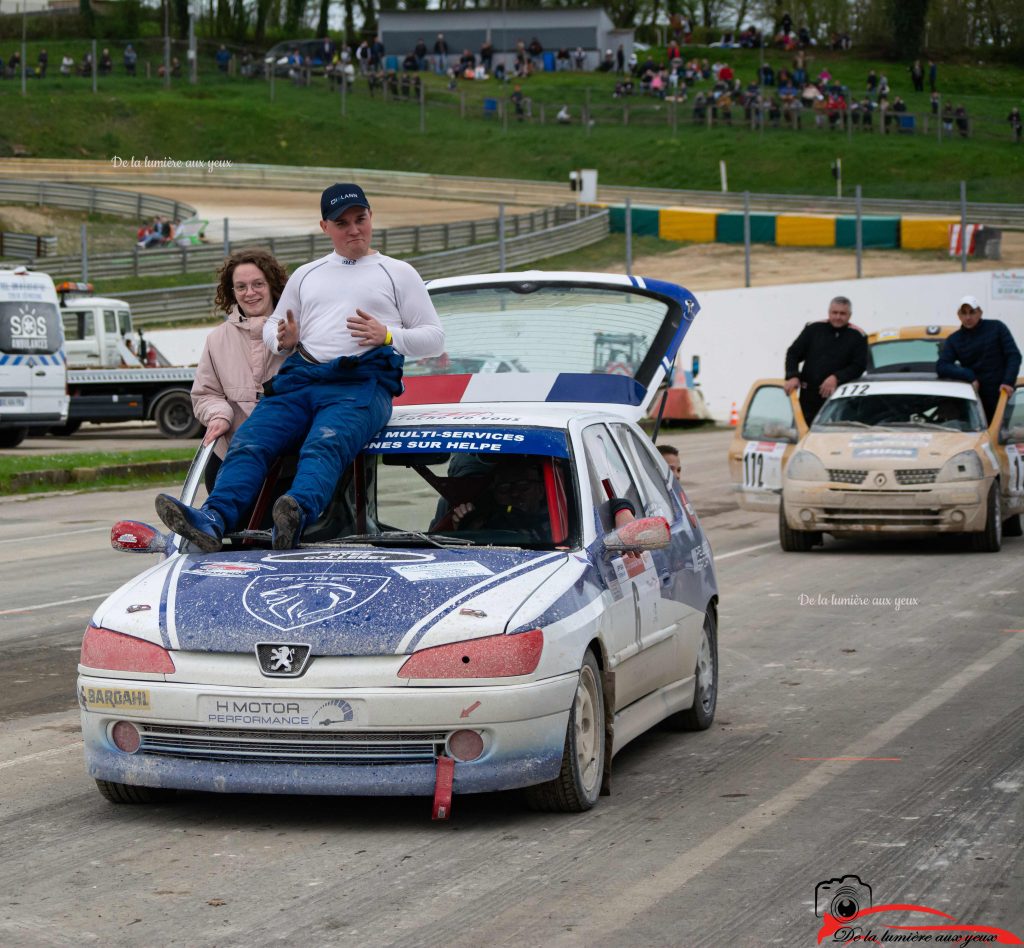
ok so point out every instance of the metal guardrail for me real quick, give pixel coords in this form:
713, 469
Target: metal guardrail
491, 190
95, 200
13, 244
196, 302
395, 241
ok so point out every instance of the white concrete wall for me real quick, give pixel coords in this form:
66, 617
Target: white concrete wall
742, 335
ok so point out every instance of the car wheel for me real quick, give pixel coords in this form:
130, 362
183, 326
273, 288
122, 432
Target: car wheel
125, 793
174, 416
795, 541
578, 784
1012, 526
12, 437
67, 429
990, 540
705, 690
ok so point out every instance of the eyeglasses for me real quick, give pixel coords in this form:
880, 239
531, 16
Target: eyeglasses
257, 286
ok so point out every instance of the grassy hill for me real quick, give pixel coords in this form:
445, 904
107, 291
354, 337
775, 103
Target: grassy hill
236, 119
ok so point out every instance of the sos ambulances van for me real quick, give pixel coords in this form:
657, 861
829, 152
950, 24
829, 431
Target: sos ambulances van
33, 374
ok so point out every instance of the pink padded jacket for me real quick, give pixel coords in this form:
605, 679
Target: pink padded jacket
231, 372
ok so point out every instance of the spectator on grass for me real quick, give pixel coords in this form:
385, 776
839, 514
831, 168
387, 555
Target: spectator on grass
917, 76
947, 117
85, 69
632, 63
961, 121
564, 116
223, 58
14, 64
41, 63
563, 59
131, 58
377, 52
620, 60
66, 65
363, 57
487, 55
579, 59
1015, 124
935, 104
536, 52
700, 107
518, 102
440, 54
106, 64
933, 72
420, 52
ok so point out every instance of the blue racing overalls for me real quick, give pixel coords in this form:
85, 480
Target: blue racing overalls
331, 408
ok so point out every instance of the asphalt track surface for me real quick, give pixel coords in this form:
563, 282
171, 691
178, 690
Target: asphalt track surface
865, 737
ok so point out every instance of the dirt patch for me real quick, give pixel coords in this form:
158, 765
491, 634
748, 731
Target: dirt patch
254, 213
105, 233
720, 266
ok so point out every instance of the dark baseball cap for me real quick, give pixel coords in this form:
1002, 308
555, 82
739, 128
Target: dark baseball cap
338, 198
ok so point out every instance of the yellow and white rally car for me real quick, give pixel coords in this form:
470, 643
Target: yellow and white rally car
899, 452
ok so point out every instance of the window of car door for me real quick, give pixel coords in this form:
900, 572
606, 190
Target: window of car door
654, 493
769, 416
608, 472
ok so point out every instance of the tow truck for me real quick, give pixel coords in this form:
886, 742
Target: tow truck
115, 373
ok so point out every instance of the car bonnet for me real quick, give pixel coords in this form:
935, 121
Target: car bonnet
341, 601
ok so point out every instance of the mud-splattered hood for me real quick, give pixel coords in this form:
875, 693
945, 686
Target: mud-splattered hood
886, 449
356, 601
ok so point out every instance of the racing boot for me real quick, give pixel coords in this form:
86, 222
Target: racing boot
289, 521
200, 526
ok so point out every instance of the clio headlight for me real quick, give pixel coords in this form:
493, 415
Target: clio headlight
965, 466
806, 467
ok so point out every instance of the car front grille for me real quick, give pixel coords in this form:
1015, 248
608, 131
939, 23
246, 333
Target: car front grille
882, 517
296, 747
839, 475
921, 475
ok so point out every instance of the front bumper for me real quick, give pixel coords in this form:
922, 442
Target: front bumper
196, 737
945, 508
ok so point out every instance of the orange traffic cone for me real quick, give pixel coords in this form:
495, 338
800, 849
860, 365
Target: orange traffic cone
734, 419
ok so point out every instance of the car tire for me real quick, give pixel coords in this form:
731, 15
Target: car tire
174, 416
990, 540
1012, 526
795, 541
12, 437
578, 784
67, 429
125, 793
701, 714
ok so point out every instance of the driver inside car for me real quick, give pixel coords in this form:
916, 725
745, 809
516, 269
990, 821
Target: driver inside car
516, 501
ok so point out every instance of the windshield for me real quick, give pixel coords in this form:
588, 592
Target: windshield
532, 327
501, 486
917, 352
903, 409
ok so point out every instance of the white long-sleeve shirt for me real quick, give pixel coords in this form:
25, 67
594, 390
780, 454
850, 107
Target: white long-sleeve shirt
323, 294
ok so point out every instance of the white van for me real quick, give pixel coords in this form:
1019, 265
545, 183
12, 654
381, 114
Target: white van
33, 374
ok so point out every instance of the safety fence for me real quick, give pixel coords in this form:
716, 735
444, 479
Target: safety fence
94, 200
196, 302
401, 242
493, 190
13, 244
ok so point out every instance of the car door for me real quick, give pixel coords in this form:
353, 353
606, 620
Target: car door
1006, 435
671, 626
769, 428
80, 341
631, 581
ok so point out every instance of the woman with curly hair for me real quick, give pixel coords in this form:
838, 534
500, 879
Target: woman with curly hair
235, 363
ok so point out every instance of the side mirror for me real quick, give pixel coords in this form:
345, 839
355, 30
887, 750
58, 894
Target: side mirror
133, 536
647, 533
1014, 435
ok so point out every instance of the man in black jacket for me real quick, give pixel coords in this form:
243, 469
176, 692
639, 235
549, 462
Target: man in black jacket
832, 352
982, 353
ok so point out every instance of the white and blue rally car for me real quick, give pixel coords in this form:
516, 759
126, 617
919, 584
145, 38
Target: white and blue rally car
508, 586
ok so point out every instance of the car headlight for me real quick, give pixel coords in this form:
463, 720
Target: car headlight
965, 466
806, 467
